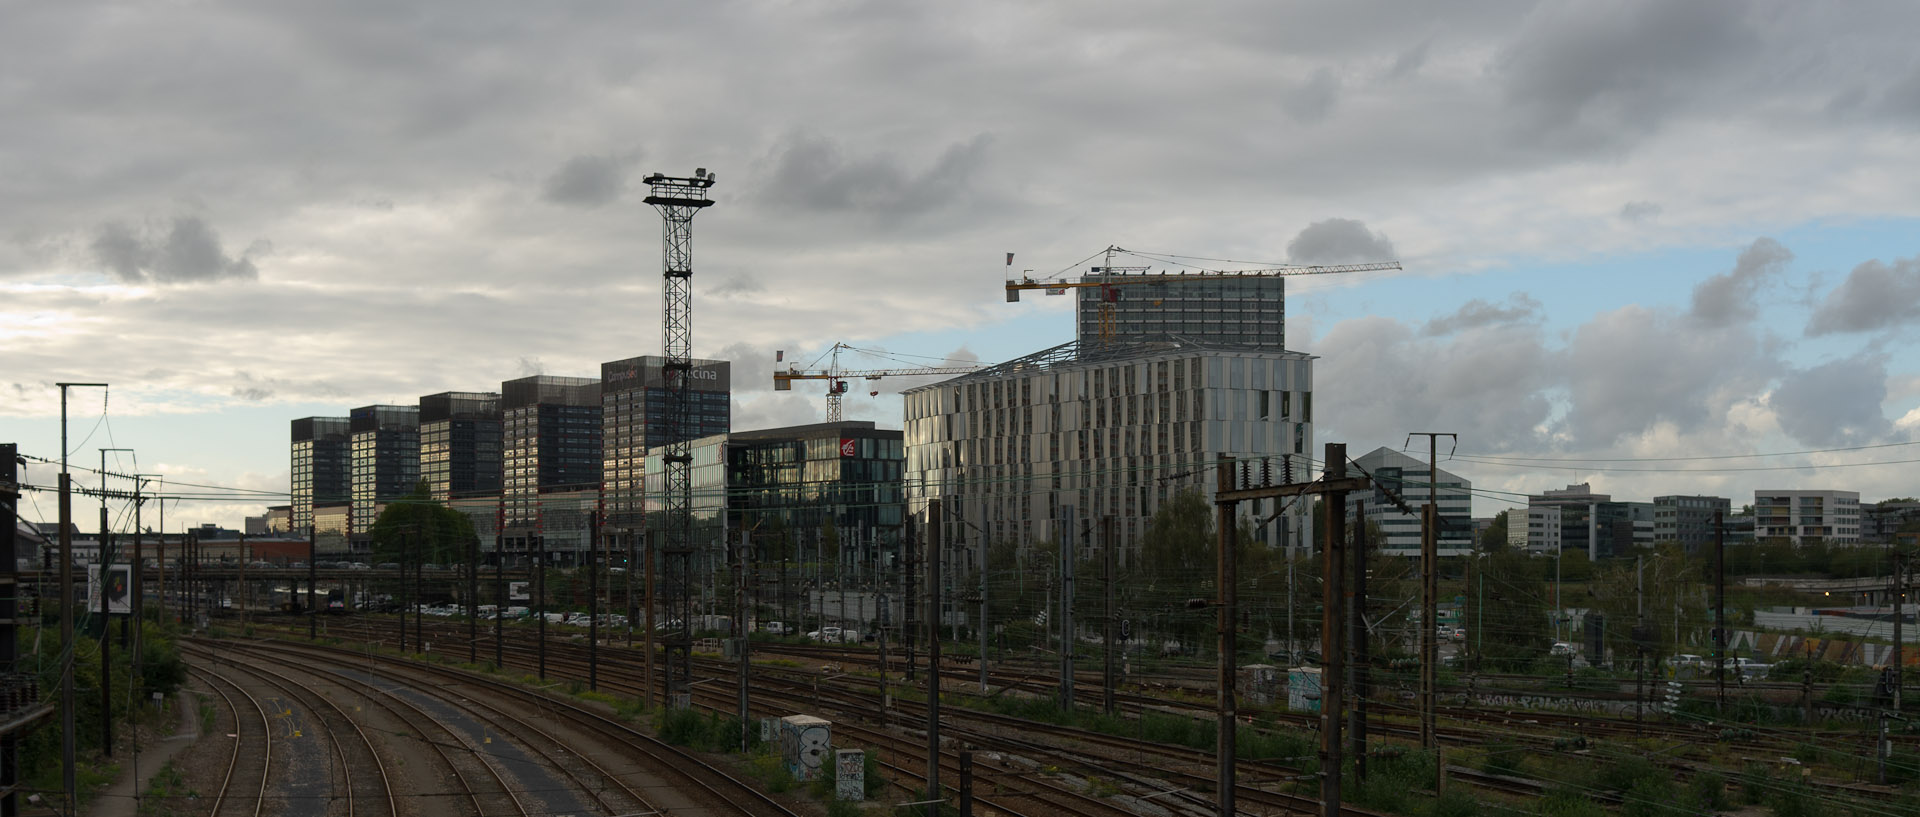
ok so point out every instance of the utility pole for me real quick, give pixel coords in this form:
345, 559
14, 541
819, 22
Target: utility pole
1429, 593
983, 610
1108, 704
646, 695
313, 612
741, 632
593, 602
910, 623
1899, 614
1720, 610
1226, 579
933, 660
9, 609
1067, 520
1334, 485
1357, 669
106, 670
1639, 638
69, 789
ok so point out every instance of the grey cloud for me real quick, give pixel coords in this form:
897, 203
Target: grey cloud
1410, 61
1339, 241
1478, 313
751, 367
1835, 403
588, 181
1723, 300
189, 252
1874, 296
1903, 97
1592, 75
738, 285
1638, 212
816, 173
529, 367
252, 393
1489, 386
1312, 100
1638, 368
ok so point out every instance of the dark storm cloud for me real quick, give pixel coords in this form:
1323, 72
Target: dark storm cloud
1312, 100
189, 252
1593, 75
1835, 403
1874, 296
1638, 212
815, 173
1478, 313
1338, 241
588, 181
1724, 300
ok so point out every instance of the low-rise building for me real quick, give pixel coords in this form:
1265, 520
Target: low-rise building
1805, 516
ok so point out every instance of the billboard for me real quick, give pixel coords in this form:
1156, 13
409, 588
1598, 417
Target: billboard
846, 447
517, 591
119, 589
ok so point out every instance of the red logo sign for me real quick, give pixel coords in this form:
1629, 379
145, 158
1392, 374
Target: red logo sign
846, 447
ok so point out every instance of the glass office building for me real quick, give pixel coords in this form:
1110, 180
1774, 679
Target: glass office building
634, 406
322, 465
386, 460
460, 444
551, 440
1110, 429
1208, 309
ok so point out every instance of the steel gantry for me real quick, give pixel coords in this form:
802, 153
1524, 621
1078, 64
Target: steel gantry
678, 199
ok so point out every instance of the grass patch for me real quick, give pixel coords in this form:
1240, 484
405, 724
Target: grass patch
166, 792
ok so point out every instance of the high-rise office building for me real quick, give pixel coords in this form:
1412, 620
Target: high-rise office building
1112, 429
1207, 309
1409, 479
1587, 521
634, 404
551, 441
460, 452
322, 465
386, 460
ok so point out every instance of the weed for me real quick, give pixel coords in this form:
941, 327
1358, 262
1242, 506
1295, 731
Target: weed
1707, 791
1505, 759
1455, 802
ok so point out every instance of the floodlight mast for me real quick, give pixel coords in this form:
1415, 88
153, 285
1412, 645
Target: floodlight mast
678, 199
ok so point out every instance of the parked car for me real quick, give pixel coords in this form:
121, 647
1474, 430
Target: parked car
1750, 669
1458, 634
1562, 649
775, 628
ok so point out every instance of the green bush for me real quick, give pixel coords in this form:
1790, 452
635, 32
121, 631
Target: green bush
1754, 783
1707, 791
1649, 797
1505, 759
1455, 802
1566, 801
843, 808
1793, 799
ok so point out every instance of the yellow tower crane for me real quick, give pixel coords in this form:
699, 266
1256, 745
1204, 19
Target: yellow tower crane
837, 377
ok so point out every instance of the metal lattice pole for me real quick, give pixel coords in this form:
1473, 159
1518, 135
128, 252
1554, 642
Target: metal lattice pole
678, 199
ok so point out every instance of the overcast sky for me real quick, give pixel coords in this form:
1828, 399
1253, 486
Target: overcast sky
1630, 230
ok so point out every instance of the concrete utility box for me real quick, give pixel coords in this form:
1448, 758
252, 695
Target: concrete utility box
1303, 689
1259, 683
806, 746
850, 779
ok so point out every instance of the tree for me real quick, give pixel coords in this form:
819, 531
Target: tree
417, 529
1494, 538
1510, 627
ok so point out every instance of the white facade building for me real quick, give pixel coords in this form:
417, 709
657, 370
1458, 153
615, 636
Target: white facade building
1408, 478
1805, 516
1109, 430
